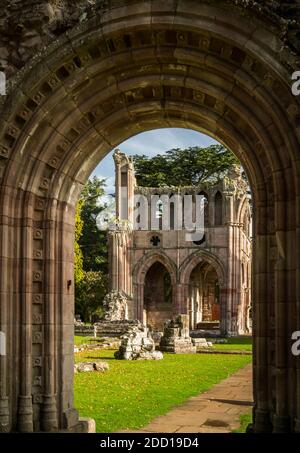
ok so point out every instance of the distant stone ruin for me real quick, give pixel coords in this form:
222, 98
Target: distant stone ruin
176, 337
115, 322
137, 344
84, 367
115, 306
113, 329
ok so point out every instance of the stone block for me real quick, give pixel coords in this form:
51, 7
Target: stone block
176, 337
137, 344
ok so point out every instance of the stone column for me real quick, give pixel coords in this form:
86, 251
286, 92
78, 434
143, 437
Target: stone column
261, 323
25, 412
223, 311
190, 304
296, 322
181, 298
124, 184
49, 409
281, 419
64, 314
230, 256
113, 259
5, 333
139, 301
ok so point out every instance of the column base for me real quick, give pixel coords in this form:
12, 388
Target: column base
84, 425
281, 424
25, 414
4, 415
49, 414
250, 429
262, 422
297, 425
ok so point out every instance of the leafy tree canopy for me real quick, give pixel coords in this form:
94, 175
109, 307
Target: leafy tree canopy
184, 167
78, 259
91, 260
92, 241
90, 292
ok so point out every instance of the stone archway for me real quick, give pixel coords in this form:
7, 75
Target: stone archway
223, 69
203, 300
211, 262
140, 272
158, 296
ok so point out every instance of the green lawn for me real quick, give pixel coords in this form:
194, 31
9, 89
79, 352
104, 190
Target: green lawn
132, 393
245, 420
81, 339
234, 344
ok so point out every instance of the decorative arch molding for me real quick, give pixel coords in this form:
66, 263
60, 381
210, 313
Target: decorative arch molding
189, 64
243, 207
143, 265
196, 258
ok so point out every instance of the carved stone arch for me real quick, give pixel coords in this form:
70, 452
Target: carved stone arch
139, 275
193, 260
218, 208
243, 206
244, 209
143, 265
223, 72
209, 261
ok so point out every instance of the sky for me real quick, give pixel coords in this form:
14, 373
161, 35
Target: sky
151, 143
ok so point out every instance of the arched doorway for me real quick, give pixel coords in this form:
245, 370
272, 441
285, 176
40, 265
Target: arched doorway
188, 64
158, 297
204, 297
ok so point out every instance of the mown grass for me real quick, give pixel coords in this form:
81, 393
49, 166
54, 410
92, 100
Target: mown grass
81, 339
245, 420
132, 393
235, 344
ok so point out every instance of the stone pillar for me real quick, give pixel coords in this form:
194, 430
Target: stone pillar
261, 326
281, 419
120, 277
49, 409
25, 410
5, 301
223, 311
230, 257
115, 260
139, 302
191, 303
296, 322
124, 184
58, 401
181, 298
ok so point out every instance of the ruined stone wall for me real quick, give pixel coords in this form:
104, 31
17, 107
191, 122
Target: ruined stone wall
26, 26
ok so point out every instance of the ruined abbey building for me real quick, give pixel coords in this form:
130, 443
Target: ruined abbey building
83, 77
164, 272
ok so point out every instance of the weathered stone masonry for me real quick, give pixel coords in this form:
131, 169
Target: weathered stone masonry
221, 67
163, 272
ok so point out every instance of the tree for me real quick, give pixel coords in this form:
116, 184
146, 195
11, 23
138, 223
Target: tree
91, 255
78, 258
93, 242
90, 292
184, 167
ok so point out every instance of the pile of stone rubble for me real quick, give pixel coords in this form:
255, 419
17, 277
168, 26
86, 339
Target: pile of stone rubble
84, 367
137, 344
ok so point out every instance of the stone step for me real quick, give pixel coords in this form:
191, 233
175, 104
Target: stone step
210, 325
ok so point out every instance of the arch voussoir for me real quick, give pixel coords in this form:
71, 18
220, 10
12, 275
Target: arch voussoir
122, 71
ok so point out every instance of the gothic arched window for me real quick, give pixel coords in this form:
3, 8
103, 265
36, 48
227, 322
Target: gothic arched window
218, 209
